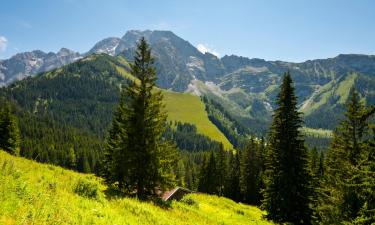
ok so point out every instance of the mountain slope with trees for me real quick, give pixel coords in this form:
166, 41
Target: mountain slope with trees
246, 87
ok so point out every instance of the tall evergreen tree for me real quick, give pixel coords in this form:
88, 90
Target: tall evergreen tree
288, 184
347, 172
9, 131
251, 173
208, 182
136, 157
221, 169
233, 188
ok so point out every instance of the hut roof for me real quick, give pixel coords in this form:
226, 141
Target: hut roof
176, 193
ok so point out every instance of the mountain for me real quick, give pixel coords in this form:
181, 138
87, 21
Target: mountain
246, 87
29, 63
107, 46
83, 95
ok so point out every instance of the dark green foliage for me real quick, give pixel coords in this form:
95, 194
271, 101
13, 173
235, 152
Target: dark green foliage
136, 157
348, 188
63, 113
229, 126
87, 188
233, 188
221, 169
47, 141
9, 131
251, 173
288, 184
186, 138
208, 182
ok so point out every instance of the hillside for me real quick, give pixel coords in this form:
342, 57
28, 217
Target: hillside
188, 108
84, 94
245, 87
43, 194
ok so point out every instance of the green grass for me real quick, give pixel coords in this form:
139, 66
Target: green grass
335, 88
34, 193
320, 133
190, 109
186, 108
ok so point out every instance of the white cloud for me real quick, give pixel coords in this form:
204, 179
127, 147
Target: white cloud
205, 48
3, 43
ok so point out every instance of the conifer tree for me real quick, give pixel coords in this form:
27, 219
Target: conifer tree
208, 182
221, 169
321, 165
233, 188
137, 159
250, 173
366, 171
288, 184
346, 173
9, 131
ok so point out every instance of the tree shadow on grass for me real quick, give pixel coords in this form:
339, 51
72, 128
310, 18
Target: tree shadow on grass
112, 193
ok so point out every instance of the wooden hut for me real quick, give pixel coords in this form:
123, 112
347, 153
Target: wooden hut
176, 194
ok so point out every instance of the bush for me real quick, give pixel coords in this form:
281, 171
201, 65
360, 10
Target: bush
87, 188
189, 201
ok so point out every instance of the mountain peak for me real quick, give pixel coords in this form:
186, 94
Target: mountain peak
65, 52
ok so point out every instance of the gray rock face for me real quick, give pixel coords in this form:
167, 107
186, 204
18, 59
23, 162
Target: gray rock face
29, 63
248, 86
107, 46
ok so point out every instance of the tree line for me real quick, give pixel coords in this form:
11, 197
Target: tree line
293, 184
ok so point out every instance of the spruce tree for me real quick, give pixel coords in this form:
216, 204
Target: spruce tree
347, 174
208, 182
233, 188
221, 169
288, 185
136, 158
9, 131
366, 171
250, 173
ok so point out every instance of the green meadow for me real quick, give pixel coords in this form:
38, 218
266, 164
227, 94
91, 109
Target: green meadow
34, 193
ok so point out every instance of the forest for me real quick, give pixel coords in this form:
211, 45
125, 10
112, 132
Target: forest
123, 136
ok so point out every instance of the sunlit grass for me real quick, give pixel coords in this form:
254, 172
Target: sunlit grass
190, 109
34, 193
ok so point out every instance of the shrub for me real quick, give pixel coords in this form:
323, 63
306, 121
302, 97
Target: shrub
87, 188
189, 201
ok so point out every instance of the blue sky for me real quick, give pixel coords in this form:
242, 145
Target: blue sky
271, 29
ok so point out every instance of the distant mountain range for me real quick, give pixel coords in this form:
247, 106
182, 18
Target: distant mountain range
245, 87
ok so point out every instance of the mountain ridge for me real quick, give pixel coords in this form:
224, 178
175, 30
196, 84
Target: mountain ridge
247, 87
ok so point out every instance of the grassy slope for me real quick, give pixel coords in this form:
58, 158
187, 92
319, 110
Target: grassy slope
187, 108
323, 133
190, 109
33, 193
335, 88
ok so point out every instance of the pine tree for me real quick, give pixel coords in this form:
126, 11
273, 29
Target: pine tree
71, 159
221, 169
9, 131
321, 165
346, 173
366, 171
208, 182
288, 184
250, 173
233, 188
137, 159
